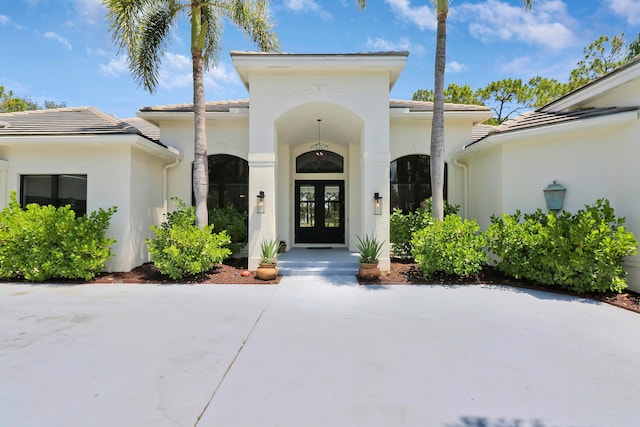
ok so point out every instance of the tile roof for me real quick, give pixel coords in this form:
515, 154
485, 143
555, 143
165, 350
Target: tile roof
67, 121
535, 119
428, 106
225, 106
212, 107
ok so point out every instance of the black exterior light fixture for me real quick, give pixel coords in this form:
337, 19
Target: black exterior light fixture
554, 196
319, 147
377, 204
260, 207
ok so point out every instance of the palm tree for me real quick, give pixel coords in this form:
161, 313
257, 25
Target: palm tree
143, 30
437, 124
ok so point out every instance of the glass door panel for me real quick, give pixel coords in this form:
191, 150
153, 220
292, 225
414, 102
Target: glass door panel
307, 206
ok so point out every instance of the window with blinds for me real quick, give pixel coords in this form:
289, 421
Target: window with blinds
56, 190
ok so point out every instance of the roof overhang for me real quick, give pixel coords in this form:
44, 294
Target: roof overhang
158, 116
247, 63
558, 129
597, 87
133, 140
475, 116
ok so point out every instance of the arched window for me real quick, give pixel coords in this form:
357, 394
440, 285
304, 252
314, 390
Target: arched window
411, 182
228, 182
320, 161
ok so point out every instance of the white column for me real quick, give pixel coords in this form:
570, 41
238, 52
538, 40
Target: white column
262, 226
375, 179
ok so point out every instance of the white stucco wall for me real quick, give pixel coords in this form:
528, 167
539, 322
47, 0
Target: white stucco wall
117, 175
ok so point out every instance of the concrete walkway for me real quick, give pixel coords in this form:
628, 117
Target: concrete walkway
314, 352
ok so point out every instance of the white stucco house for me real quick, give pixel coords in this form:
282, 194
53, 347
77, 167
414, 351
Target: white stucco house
318, 154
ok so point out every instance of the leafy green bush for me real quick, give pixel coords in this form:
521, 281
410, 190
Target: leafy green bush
235, 224
181, 248
45, 242
402, 226
581, 252
452, 246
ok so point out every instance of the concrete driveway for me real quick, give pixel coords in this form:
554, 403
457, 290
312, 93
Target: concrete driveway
314, 352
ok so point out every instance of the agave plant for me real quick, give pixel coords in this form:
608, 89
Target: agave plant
369, 249
269, 249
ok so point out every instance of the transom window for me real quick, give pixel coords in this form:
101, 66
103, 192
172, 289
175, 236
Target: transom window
411, 182
320, 161
56, 190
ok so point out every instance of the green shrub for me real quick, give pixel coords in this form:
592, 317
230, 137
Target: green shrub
45, 242
581, 252
235, 224
402, 226
180, 248
452, 246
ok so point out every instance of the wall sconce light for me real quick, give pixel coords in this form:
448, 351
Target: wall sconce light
377, 204
554, 196
260, 202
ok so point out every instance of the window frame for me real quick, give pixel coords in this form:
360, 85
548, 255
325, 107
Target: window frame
54, 198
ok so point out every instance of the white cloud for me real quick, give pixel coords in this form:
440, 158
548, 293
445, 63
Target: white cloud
455, 67
90, 10
519, 66
548, 25
57, 38
380, 44
115, 67
177, 72
629, 9
5, 20
307, 6
422, 16
98, 52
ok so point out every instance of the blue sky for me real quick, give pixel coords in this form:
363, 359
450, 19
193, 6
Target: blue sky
61, 50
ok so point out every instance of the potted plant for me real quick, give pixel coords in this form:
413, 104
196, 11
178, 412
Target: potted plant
370, 251
267, 269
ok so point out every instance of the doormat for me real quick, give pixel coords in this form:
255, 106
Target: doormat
320, 247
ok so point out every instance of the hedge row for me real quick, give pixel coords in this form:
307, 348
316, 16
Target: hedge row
581, 252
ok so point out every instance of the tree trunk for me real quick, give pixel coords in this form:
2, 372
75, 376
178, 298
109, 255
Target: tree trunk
200, 163
437, 126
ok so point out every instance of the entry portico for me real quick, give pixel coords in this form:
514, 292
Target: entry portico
319, 138
339, 104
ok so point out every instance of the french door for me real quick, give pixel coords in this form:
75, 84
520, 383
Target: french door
319, 212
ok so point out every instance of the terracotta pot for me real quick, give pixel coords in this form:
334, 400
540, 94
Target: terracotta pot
267, 272
369, 271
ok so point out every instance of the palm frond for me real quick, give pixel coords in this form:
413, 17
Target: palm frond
123, 17
252, 18
154, 35
212, 43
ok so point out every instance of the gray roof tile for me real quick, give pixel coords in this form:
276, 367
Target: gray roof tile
68, 121
535, 119
225, 106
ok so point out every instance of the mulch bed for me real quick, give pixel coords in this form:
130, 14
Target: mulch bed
232, 272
